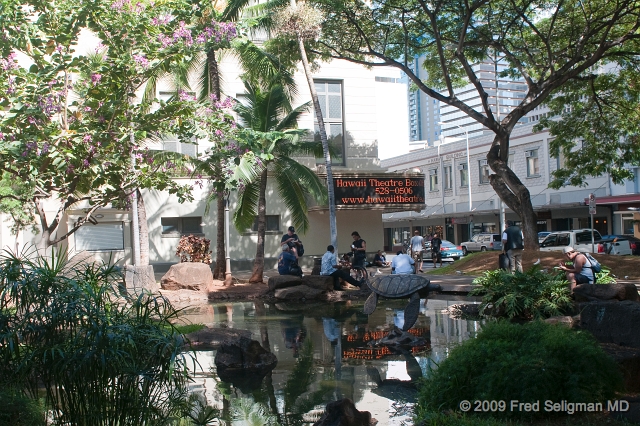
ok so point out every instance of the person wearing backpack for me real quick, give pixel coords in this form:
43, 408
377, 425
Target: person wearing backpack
582, 271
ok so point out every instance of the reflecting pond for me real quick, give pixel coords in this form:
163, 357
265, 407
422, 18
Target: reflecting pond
323, 355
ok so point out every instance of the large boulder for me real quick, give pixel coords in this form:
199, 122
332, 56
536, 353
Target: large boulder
344, 413
212, 338
297, 293
243, 362
283, 281
188, 275
590, 292
140, 279
321, 282
612, 322
629, 361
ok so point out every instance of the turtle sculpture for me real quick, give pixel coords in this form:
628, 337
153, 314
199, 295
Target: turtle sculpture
398, 286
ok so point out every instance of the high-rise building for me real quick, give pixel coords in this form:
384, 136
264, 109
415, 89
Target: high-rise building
431, 121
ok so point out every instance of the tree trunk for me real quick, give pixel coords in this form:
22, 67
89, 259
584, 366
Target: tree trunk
144, 230
513, 192
325, 143
214, 89
258, 263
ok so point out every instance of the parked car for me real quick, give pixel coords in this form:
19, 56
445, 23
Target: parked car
580, 239
482, 242
448, 250
634, 242
542, 235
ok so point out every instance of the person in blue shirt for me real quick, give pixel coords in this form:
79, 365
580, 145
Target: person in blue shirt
402, 264
331, 267
285, 260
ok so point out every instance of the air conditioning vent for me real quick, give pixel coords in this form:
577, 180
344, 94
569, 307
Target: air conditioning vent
528, 154
483, 162
461, 166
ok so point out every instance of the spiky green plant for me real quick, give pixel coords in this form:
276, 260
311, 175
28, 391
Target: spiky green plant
529, 295
102, 359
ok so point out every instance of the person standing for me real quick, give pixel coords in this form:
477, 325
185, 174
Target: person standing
513, 245
291, 239
331, 267
359, 248
417, 245
285, 260
436, 255
402, 264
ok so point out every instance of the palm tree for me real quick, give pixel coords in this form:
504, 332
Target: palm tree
269, 121
301, 23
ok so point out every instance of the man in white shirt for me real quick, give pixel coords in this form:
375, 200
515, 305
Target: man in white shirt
417, 244
330, 266
402, 264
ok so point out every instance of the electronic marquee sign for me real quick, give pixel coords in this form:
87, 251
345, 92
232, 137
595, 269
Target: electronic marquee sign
378, 190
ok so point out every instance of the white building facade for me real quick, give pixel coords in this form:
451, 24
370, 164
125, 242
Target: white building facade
365, 110
447, 200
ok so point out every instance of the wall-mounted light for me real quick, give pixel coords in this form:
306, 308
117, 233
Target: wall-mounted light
99, 216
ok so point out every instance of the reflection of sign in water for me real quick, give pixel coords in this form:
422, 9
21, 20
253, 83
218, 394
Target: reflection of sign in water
379, 190
356, 344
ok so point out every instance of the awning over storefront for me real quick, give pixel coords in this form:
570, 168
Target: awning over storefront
616, 199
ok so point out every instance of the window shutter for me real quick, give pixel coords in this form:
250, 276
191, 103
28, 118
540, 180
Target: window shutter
103, 236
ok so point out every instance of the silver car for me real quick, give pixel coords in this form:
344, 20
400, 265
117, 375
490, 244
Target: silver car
482, 242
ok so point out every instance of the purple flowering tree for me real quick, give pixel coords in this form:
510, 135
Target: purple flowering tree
65, 133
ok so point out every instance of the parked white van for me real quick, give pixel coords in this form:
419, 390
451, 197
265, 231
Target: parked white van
580, 239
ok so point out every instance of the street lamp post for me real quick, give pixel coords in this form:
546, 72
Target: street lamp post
466, 134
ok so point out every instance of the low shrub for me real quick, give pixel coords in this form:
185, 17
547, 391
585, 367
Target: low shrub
528, 363
194, 249
19, 410
530, 295
100, 358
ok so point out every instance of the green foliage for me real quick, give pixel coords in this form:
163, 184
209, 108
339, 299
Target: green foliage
530, 295
269, 125
531, 362
598, 132
74, 115
19, 410
100, 358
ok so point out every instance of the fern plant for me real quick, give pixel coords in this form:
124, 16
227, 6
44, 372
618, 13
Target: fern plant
530, 295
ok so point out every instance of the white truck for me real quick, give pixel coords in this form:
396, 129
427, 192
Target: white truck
580, 239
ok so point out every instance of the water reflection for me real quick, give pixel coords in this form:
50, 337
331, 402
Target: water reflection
323, 355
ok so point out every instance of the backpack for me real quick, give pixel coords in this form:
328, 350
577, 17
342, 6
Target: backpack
300, 249
294, 269
595, 265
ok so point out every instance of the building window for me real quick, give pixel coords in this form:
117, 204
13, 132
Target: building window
484, 171
330, 99
103, 236
533, 166
170, 142
448, 179
272, 223
178, 226
464, 174
433, 180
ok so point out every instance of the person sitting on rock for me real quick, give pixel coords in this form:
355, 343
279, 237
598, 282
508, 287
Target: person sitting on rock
580, 272
285, 260
331, 267
402, 264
